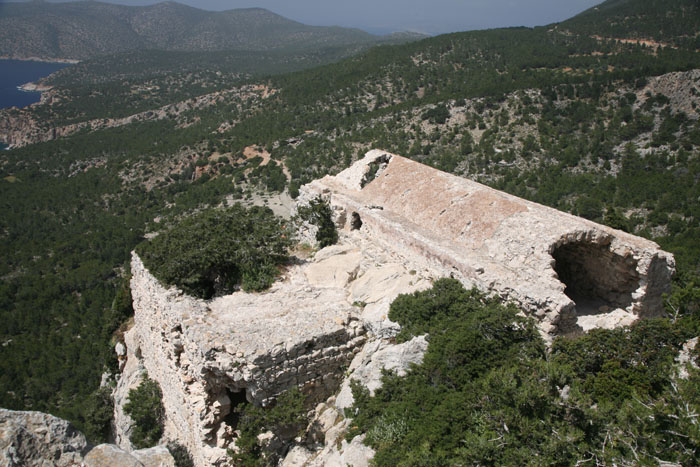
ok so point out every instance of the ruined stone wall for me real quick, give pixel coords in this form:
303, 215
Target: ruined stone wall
500, 243
207, 356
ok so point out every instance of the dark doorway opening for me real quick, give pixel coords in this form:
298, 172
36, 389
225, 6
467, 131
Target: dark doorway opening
355, 221
238, 402
596, 279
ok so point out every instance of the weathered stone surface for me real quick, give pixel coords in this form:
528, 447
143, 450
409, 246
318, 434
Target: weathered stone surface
354, 454
109, 454
157, 456
554, 265
324, 444
377, 288
335, 271
606, 319
113, 456
131, 376
298, 456
39, 439
377, 356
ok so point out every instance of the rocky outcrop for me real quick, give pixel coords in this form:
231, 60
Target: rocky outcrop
19, 127
556, 266
42, 440
111, 455
686, 358
132, 374
39, 439
379, 356
323, 443
682, 89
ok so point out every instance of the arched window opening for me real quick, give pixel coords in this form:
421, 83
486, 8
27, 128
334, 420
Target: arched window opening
596, 279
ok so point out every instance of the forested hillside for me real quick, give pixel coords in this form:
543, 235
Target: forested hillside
567, 115
650, 20
81, 30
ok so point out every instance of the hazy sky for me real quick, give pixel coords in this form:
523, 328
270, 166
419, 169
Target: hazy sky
428, 16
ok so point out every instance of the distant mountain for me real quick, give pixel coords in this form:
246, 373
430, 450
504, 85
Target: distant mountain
80, 30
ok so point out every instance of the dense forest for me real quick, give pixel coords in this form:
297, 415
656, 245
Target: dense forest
580, 115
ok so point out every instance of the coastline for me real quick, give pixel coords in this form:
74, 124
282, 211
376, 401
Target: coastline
33, 87
69, 61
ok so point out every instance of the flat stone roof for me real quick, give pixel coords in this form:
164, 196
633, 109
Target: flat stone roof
490, 239
289, 313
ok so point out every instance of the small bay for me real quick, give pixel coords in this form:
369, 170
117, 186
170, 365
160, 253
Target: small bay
14, 73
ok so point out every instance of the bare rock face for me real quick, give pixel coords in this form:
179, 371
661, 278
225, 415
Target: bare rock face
111, 455
333, 450
558, 267
323, 444
157, 456
685, 358
130, 378
377, 356
42, 440
39, 439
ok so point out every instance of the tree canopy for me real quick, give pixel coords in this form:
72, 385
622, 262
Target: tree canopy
220, 250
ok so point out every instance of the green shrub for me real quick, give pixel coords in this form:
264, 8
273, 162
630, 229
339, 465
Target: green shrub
180, 454
613, 365
218, 250
145, 408
318, 212
288, 414
487, 393
438, 115
98, 412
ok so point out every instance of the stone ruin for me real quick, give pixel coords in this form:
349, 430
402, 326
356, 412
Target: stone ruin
210, 356
403, 224
569, 273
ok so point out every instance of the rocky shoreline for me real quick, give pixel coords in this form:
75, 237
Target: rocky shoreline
34, 87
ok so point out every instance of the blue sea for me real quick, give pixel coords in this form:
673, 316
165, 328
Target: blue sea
14, 73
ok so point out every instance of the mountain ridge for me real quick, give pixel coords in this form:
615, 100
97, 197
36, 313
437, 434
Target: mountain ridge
86, 29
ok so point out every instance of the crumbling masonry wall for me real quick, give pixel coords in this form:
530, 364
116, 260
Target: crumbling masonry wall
210, 355
568, 272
